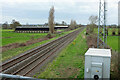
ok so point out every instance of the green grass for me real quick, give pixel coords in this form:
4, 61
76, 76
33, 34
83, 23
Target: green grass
60, 30
70, 61
13, 52
112, 41
7, 29
109, 31
9, 36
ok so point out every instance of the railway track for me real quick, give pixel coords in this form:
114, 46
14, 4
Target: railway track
26, 63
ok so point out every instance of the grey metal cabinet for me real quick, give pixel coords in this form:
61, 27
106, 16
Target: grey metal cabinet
97, 63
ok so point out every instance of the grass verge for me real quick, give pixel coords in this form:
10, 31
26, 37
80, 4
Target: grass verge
70, 61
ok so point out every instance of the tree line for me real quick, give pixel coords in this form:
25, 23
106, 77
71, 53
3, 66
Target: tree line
13, 25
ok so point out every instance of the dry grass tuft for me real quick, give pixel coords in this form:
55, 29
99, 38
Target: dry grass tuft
114, 65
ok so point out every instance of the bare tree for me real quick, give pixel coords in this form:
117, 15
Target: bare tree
93, 19
73, 24
51, 20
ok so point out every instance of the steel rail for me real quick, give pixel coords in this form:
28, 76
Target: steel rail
44, 59
37, 58
59, 39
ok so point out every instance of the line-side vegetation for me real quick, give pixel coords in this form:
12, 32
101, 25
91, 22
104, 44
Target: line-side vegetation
70, 61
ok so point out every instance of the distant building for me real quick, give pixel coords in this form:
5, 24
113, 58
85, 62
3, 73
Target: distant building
36, 29
119, 13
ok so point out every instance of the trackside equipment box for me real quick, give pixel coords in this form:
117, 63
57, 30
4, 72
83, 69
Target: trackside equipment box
97, 63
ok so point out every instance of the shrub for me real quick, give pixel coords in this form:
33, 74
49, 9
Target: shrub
113, 31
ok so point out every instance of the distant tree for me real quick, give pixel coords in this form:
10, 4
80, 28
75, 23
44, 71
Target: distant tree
57, 24
14, 24
73, 24
64, 23
93, 20
79, 25
5, 25
51, 20
46, 24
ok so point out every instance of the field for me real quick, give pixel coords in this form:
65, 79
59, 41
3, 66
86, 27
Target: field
9, 36
70, 61
25, 36
110, 31
112, 41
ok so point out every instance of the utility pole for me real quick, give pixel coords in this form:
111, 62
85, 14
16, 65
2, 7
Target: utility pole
102, 29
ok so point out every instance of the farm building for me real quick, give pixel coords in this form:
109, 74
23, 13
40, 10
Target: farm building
61, 27
36, 29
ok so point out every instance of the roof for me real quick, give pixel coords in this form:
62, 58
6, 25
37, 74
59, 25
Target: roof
32, 27
98, 52
61, 26
37, 26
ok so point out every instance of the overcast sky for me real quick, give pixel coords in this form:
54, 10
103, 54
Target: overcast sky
37, 11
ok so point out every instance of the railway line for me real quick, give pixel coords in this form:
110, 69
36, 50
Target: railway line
26, 63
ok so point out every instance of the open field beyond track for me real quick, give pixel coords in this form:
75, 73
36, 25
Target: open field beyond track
25, 36
9, 36
112, 40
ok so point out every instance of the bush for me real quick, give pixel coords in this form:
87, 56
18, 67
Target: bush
113, 31
119, 32
90, 28
49, 35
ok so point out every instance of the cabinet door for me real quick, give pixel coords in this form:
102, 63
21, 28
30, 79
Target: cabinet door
96, 70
